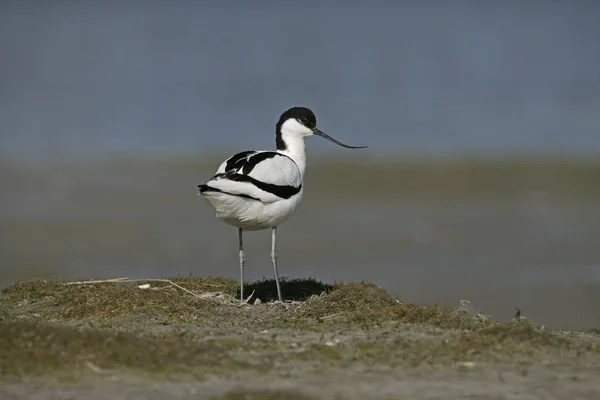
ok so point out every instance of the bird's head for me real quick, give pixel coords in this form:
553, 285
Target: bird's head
298, 123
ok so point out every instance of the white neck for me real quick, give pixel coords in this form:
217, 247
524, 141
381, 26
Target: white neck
295, 151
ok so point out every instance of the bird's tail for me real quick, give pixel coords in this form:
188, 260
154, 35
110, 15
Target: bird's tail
206, 188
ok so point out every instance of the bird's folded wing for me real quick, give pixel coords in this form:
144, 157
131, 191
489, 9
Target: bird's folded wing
264, 176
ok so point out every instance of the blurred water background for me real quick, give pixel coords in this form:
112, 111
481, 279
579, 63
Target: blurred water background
481, 180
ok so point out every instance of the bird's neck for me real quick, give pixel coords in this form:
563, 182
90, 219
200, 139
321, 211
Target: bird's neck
294, 149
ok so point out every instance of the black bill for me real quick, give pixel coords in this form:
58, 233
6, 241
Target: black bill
323, 135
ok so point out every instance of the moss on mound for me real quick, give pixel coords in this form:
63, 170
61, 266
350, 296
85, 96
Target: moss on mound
60, 301
206, 301
201, 328
28, 348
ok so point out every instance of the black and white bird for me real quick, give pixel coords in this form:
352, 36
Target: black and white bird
260, 189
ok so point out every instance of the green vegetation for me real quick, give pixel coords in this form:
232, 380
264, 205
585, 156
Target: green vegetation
33, 348
56, 301
361, 304
200, 329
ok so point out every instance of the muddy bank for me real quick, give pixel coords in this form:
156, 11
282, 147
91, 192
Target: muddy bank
190, 336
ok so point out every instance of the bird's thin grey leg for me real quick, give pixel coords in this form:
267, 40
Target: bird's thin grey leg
274, 259
242, 260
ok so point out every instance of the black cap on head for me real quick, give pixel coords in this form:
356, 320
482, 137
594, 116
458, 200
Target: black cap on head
302, 114
307, 118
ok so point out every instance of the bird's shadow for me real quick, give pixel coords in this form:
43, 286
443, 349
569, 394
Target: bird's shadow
291, 289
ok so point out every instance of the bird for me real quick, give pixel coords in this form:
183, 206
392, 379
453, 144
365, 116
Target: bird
260, 189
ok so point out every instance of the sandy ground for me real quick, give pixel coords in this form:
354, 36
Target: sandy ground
349, 341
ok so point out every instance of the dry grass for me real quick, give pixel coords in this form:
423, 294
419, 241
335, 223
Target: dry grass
31, 348
60, 301
188, 300
174, 329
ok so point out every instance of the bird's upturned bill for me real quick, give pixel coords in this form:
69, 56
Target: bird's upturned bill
324, 135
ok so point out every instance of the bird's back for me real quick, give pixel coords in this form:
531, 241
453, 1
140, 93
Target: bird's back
255, 189
266, 176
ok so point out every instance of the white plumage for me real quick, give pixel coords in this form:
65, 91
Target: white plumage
255, 190
241, 203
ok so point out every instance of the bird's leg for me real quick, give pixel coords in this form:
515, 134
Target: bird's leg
242, 260
274, 259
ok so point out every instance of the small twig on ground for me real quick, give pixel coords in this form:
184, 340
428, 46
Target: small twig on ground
127, 280
249, 297
93, 367
332, 315
113, 280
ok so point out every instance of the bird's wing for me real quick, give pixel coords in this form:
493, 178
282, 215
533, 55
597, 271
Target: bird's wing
235, 161
266, 176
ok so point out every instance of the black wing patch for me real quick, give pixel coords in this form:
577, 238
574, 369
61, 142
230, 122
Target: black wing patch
257, 158
282, 191
239, 158
247, 160
240, 165
206, 188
